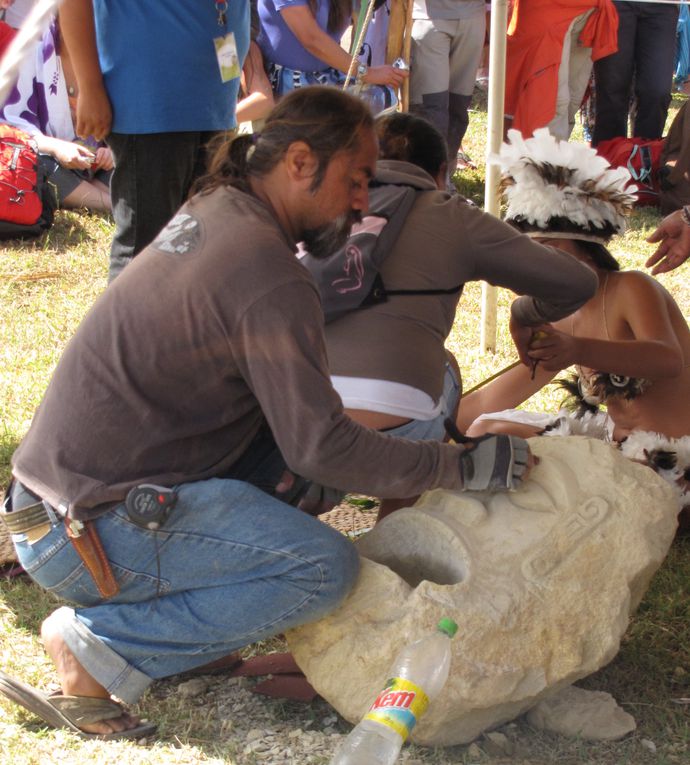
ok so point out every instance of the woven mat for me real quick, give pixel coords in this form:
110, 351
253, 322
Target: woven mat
7, 554
351, 519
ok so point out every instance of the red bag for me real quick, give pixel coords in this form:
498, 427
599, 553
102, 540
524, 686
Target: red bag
642, 157
27, 202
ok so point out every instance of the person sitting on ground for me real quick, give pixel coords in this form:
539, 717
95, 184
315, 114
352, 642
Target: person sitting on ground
630, 343
204, 362
387, 358
300, 41
43, 103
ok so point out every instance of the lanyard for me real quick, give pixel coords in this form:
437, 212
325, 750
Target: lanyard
221, 8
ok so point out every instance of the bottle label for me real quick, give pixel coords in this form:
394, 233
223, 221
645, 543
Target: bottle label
399, 705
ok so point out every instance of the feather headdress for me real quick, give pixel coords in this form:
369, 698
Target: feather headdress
559, 187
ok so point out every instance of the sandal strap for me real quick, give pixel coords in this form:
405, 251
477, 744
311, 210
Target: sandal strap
85, 710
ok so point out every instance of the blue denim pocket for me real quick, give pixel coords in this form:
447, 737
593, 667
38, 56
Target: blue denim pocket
53, 563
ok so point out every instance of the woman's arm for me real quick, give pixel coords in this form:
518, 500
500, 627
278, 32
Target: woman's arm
507, 391
258, 100
654, 351
302, 24
552, 283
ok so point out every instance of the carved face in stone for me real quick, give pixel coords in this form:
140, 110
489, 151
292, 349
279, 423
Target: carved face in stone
451, 537
541, 582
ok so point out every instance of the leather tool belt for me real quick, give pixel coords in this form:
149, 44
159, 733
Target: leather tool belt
35, 520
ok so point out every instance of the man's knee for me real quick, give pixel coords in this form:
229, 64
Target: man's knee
344, 567
337, 567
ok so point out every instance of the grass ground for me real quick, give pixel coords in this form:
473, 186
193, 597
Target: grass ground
47, 285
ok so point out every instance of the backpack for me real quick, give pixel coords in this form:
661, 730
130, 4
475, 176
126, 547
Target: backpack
350, 279
642, 157
27, 201
675, 163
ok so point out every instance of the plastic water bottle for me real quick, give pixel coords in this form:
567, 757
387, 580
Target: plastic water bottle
417, 676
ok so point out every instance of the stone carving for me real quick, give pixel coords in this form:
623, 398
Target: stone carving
540, 581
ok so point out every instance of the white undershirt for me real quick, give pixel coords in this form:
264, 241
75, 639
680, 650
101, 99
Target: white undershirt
385, 396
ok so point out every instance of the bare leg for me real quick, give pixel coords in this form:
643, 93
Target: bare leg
94, 195
76, 681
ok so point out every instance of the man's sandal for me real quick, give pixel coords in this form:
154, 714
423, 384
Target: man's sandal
70, 712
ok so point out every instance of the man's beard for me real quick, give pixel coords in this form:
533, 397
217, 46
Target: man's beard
325, 240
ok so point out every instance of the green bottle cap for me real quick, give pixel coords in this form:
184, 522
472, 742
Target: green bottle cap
448, 627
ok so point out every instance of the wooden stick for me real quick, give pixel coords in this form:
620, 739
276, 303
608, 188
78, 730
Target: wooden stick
482, 383
396, 30
358, 41
407, 47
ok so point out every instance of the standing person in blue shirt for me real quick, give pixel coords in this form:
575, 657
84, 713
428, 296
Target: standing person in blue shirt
158, 80
300, 42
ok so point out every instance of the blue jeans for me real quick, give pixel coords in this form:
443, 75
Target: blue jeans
433, 430
284, 80
231, 566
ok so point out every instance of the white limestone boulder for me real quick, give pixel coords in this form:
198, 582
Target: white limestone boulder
541, 582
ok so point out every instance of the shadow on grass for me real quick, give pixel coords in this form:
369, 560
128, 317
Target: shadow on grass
72, 229
69, 230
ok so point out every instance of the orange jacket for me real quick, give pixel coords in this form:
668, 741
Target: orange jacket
536, 33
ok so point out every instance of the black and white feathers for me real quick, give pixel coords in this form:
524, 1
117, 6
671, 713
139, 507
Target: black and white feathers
546, 181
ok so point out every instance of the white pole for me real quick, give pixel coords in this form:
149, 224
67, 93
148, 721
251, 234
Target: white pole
497, 69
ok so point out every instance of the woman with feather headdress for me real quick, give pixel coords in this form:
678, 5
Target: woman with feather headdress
630, 344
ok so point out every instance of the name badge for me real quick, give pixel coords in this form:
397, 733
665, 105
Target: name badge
226, 53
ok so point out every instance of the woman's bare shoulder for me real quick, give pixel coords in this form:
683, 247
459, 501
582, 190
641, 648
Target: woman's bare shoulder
636, 283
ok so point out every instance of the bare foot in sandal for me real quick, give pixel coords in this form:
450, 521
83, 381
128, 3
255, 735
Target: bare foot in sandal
76, 681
